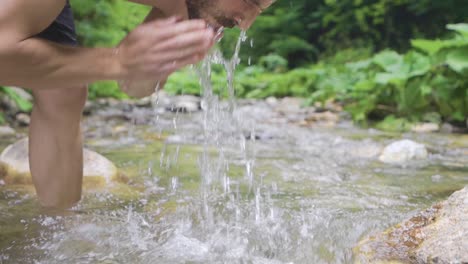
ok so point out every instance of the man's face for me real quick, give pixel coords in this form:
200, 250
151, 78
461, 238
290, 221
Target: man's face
227, 13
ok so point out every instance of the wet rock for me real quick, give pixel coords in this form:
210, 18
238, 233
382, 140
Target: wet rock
437, 235
185, 104
425, 128
6, 131
327, 119
403, 151
447, 128
272, 101
23, 119
328, 106
290, 105
90, 107
14, 166
11, 109
144, 102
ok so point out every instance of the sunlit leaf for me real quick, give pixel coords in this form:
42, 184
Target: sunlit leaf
458, 59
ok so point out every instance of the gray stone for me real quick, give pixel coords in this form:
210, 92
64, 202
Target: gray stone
437, 235
9, 105
23, 119
89, 107
272, 101
447, 128
144, 102
425, 128
6, 131
14, 166
290, 105
446, 240
185, 104
403, 151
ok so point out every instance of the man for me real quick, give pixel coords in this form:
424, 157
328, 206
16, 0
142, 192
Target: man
38, 50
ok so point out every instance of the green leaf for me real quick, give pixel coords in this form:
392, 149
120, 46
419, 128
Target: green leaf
416, 64
461, 28
393, 124
23, 105
390, 61
431, 47
458, 59
391, 78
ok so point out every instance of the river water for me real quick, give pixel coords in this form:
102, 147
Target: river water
235, 183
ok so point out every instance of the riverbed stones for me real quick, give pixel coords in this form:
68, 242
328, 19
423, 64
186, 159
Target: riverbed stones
23, 119
436, 235
185, 104
6, 131
14, 166
403, 151
425, 128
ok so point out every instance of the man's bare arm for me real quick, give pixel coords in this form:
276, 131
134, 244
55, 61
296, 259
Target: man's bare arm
148, 52
32, 62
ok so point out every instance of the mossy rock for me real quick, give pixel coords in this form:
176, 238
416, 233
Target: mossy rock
436, 235
14, 166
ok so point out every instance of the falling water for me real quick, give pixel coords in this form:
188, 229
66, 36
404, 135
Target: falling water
217, 195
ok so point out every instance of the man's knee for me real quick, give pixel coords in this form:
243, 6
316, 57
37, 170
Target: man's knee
61, 102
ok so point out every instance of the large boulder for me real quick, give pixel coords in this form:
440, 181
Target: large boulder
14, 166
403, 151
437, 235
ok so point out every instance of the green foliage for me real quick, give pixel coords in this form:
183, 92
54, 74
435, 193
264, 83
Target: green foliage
105, 89
304, 30
2, 118
274, 63
23, 105
393, 124
105, 22
405, 81
420, 85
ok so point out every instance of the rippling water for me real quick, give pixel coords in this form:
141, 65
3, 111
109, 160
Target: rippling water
231, 185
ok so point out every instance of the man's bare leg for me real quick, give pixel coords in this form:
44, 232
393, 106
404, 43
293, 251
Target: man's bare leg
55, 146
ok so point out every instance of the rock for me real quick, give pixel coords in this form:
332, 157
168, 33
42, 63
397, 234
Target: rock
23, 119
449, 128
9, 105
89, 108
185, 104
22, 93
271, 101
290, 105
14, 166
425, 128
446, 128
145, 102
327, 119
437, 235
403, 151
6, 131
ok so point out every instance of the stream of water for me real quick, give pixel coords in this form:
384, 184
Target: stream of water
230, 184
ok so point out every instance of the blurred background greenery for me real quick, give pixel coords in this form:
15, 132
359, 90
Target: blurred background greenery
393, 60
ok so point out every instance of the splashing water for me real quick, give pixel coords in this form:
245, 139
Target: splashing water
304, 197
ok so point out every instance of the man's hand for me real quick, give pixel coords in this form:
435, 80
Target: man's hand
156, 49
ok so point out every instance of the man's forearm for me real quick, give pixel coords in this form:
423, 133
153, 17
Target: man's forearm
38, 64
